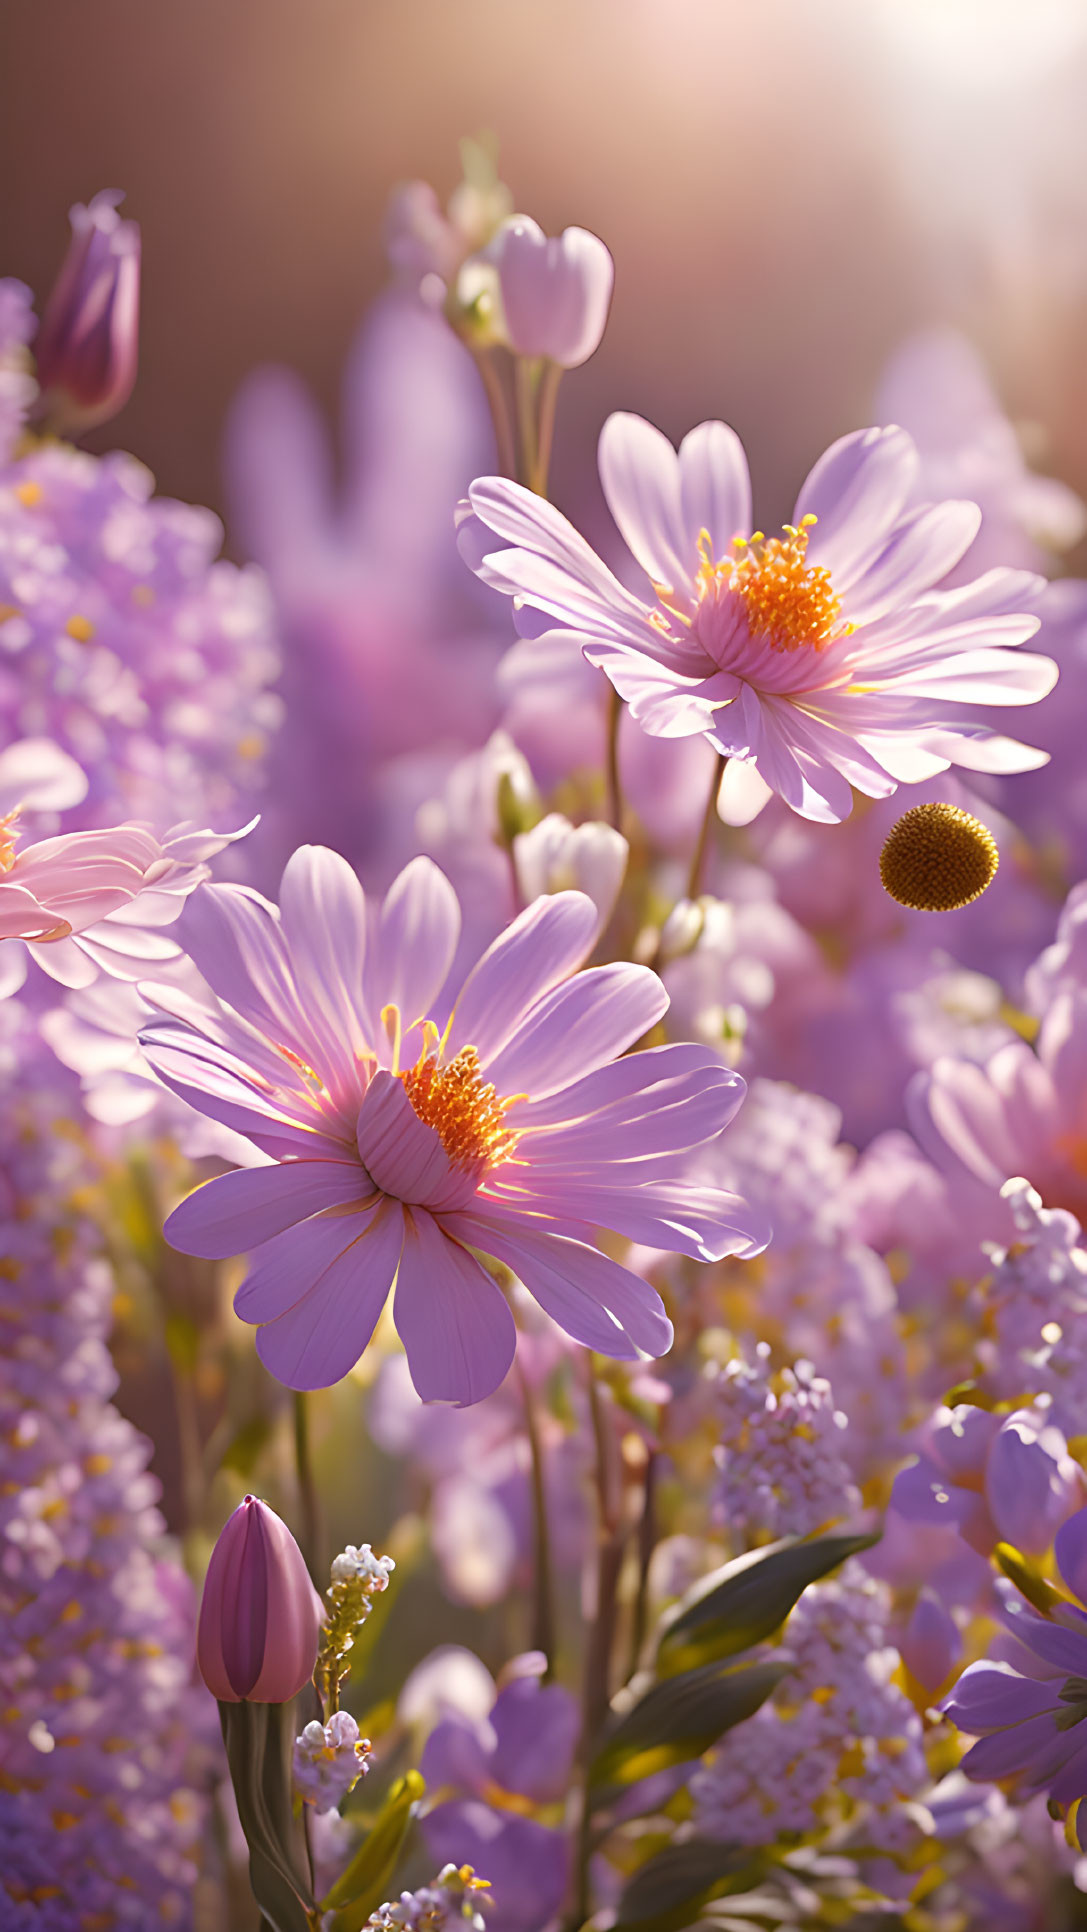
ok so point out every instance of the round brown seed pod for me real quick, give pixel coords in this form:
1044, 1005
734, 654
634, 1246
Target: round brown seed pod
938, 858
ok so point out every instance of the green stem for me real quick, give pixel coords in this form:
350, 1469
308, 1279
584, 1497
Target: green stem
499, 408
543, 1607
647, 1539
524, 389
614, 795
709, 817
596, 1684
308, 1501
545, 425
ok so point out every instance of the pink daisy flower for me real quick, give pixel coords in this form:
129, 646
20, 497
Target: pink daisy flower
816, 661
92, 902
405, 1134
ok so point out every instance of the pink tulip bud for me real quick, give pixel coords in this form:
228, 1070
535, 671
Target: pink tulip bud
555, 291
260, 1618
87, 345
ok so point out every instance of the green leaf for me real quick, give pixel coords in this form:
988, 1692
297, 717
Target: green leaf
257, 1739
670, 1889
679, 1719
747, 1600
364, 1885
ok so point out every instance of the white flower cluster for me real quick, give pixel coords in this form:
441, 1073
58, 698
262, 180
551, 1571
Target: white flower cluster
329, 1759
456, 1894
361, 1565
837, 1734
783, 1470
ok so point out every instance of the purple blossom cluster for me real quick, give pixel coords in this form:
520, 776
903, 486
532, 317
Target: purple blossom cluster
104, 1746
782, 1467
838, 1742
123, 639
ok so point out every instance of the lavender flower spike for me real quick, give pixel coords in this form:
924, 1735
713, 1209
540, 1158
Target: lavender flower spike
404, 1139
260, 1617
88, 342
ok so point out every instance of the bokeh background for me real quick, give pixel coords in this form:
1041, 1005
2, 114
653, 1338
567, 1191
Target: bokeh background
787, 189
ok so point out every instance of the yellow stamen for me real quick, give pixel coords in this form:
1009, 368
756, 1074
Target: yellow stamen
464, 1110
788, 602
80, 628
8, 840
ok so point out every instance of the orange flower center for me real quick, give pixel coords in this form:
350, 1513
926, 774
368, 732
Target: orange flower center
463, 1109
788, 601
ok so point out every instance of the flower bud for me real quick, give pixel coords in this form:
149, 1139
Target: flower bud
87, 345
555, 291
260, 1619
931, 1645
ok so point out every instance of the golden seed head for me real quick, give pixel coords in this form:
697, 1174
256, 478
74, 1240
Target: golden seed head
938, 858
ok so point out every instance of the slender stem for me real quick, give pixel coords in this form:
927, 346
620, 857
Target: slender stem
611, 1537
647, 1539
308, 1502
543, 1605
708, 818
309, 1847
614, 793
499, 408
596, 1684
524, 389
545, 424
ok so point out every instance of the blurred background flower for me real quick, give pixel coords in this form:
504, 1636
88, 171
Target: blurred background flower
786, 192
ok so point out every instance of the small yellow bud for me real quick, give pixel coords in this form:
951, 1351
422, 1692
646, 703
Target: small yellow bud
938, 858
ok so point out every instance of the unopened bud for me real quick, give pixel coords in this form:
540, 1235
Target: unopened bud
555, 291
260, 1617
88, 342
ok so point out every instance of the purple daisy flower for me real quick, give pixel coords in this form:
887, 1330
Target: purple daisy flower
494, 1777
405, 1133
817, 661
1027, 1708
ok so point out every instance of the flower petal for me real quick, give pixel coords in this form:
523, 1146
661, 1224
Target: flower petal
577, 1027
284, 1268
239, 1211
323, 913
453, 1319
321, 1338
404, 1155
857, 490
639, 471
600, 1304
415, 942
545, 943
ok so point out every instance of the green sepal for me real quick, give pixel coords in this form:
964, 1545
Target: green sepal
747, 1600
677, 1720
364, 1885
258, 1744
670, 1889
